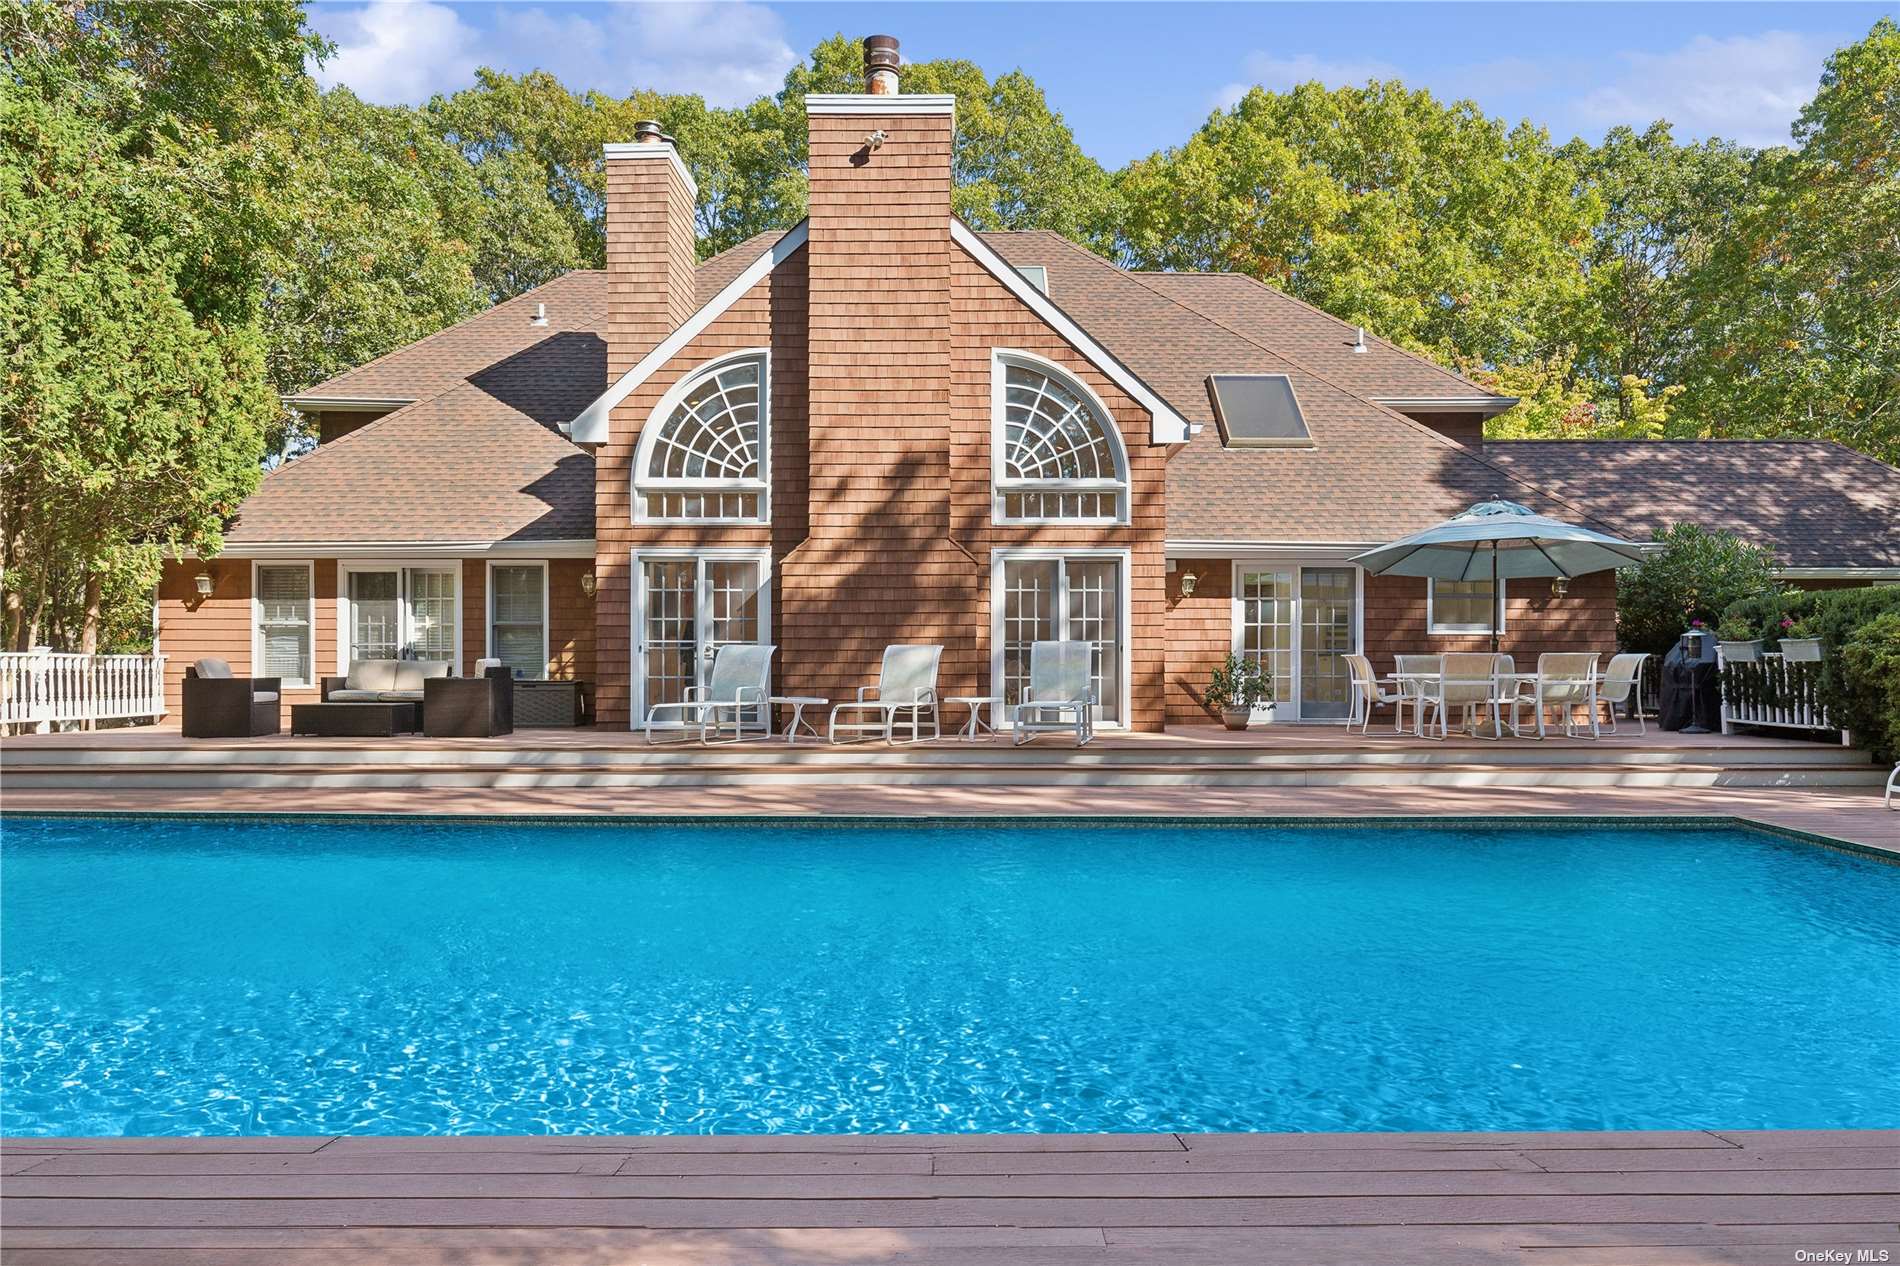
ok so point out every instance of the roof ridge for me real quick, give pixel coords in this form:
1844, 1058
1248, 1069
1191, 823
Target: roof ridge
1337, 320
490, 310
1442, 440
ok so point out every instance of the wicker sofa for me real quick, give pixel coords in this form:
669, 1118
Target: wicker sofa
383, 681
220, 705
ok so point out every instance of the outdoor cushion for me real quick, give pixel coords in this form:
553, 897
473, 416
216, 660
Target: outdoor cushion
213, 668
264, 696
355, 696
371, 675
395, 696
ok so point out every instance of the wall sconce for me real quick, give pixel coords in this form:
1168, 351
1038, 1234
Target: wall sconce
1188, 581
588, 583
203, 581
1559, 586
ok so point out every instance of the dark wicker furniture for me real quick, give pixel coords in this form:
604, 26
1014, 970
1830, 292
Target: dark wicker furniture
355, 720
230, 707
549, 704
469, 707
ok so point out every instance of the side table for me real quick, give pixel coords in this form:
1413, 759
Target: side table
977, 727
798, 704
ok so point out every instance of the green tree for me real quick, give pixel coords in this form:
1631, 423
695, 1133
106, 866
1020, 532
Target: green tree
1695, 575
140, 186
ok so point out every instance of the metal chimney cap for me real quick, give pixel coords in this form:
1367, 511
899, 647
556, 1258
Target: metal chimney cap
648, 131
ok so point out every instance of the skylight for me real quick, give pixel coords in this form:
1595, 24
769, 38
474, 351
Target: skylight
1258, 411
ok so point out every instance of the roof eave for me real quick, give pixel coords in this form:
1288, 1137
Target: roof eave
1488, 405
347, 404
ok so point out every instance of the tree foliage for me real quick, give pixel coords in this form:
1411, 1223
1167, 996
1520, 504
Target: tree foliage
1695, 575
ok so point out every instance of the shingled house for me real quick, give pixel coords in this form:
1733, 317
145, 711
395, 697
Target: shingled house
882, 426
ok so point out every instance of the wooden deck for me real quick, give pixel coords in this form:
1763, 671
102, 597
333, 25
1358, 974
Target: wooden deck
1593, 1199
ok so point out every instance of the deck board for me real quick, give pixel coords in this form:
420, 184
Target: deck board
1655, 1197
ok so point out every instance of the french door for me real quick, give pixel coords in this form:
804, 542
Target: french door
1299, 624
1048, 597
400, 613
688, 605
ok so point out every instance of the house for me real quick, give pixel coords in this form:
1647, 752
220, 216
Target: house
882, 426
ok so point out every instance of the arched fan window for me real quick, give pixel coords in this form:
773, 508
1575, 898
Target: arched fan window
703, 455
1058, 457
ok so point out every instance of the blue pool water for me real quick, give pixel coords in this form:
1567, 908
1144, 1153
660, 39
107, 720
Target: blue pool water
185, 977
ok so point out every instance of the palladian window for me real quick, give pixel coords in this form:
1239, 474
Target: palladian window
1058, 457
706, 461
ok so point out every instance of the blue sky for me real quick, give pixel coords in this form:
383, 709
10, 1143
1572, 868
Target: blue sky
1131, 77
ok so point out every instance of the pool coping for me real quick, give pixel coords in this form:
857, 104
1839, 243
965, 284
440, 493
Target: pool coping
1679, 821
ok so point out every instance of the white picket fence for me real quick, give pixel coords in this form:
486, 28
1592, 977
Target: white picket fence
1773, 691
42, 688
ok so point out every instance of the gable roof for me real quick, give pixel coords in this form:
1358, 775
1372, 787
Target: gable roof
1819, 505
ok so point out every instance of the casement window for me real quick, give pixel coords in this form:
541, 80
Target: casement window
1056, 456
518, 617
1462, 606
704, 455
284, 643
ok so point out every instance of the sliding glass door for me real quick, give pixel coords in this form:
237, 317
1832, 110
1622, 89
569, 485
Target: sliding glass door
689, 606
400, 613
1299, 623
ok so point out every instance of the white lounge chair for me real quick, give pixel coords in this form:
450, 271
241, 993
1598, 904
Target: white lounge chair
1623, 683
1368, 694
735, 694
1058, 696
1567, 680
906, 682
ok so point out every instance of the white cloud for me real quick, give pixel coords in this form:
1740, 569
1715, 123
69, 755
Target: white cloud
1746, 88
1281, 73
403, 50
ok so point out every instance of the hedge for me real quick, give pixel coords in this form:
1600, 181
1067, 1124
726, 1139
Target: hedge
1859, 682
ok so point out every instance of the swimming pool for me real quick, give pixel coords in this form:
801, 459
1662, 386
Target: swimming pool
273, 977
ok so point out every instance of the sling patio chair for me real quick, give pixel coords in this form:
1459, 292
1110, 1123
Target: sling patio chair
1623, 683
1059, 696
1469, 682
1368, 694
1567, 680
1415, 674
906, 683
734, 695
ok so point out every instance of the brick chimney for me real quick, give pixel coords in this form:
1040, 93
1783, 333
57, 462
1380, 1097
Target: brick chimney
879, 257
650, 245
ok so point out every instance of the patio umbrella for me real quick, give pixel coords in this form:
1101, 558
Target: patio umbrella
1501, 539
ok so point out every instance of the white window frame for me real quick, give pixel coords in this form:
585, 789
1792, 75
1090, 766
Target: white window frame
656, 420
257, 617
1123, 557
637, 686
1001, 358
1435, 629
1237, 613
345, 623
488, 629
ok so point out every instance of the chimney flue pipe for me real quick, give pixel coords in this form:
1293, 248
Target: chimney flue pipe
880, 65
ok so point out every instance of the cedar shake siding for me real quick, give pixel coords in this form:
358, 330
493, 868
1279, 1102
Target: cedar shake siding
193, 627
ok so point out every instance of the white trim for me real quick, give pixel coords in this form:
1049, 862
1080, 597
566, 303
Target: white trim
257, 620
1838, 573
653, 149
346, 404
650, 431
1167, 427
1446, 404
344, 629
1000, 360
880, 103
637, 686
1236, 621
291, 551
1317, 555
1124, 634
488, 622
1434, 629
592, 426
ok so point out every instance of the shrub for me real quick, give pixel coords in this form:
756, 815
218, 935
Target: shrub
1761, 614
1870, 664
1856, 698
1697, 575
1239, 683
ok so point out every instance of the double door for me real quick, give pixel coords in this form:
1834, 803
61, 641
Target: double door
688, 605
1299, 624
401, 613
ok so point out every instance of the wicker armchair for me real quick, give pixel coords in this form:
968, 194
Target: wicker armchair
219, 705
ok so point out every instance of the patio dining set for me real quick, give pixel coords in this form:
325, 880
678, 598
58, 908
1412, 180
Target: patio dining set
1490, 694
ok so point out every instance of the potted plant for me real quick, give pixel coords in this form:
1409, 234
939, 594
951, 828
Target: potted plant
1733, 637
1798, 644
1236, 687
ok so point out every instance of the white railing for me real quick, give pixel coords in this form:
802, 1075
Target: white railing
42, 688
1772, 691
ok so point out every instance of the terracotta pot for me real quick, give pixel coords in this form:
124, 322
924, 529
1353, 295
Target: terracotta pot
1235, 718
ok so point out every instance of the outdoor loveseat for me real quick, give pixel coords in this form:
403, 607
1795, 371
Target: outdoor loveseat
383, 681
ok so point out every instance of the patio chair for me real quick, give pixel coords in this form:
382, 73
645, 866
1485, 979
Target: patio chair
906, 682
1567, 680
1623, 683
1414, 691
738, 688
1468, 681
1058, 696
1893, 785
220, 705
1368, 694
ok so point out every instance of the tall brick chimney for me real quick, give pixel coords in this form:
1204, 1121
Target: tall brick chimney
879, 255
650, 245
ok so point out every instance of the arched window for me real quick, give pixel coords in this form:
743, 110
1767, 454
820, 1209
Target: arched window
703, 455
1057, 455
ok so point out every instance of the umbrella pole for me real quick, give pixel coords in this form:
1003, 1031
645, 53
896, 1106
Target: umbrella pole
1494, 597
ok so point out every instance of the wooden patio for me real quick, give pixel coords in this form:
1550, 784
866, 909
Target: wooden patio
1589, 1199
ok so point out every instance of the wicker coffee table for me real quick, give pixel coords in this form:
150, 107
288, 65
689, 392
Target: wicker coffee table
355, 720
